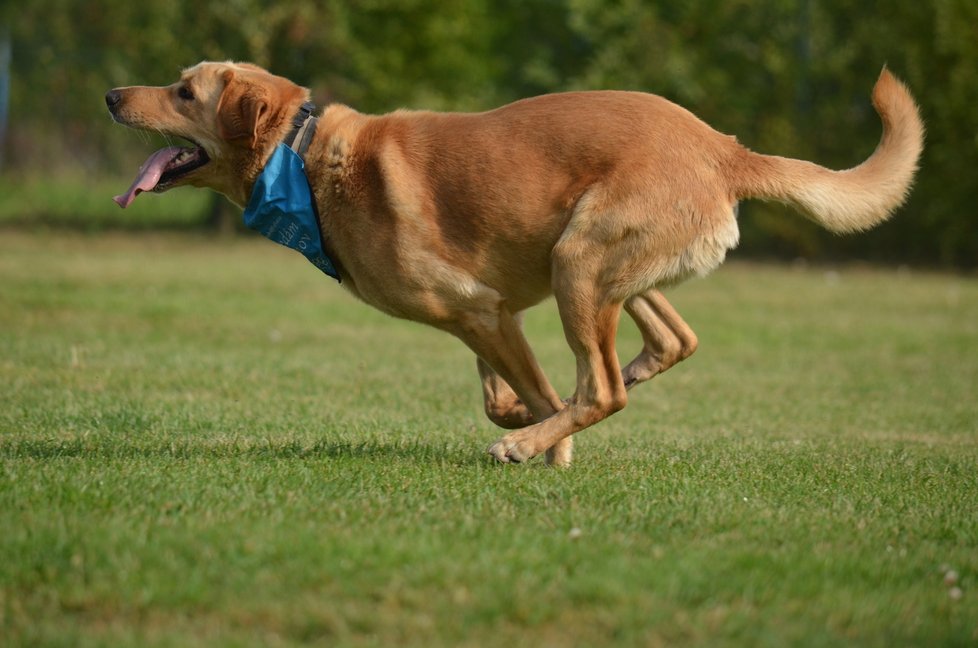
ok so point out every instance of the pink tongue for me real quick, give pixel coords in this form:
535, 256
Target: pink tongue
149, 174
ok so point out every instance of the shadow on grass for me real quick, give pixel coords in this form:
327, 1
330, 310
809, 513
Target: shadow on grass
454, 453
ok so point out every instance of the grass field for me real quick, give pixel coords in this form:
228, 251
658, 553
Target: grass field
83, 202
208, 443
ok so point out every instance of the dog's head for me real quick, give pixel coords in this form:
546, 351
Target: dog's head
233, 115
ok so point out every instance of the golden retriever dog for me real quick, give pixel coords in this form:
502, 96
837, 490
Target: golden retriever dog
463, 221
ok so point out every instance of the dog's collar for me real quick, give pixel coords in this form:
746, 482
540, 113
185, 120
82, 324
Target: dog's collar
282, 205
303, 128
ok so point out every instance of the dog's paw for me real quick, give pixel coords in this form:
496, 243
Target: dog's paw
511, 449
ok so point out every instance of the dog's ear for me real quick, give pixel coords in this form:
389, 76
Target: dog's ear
241, 110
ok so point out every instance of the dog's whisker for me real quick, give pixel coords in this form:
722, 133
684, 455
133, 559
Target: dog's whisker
167, 139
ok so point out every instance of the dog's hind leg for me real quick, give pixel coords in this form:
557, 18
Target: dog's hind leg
667, 339
590, 318
505, 409
516, 391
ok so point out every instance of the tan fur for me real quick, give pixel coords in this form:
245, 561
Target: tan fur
463, 221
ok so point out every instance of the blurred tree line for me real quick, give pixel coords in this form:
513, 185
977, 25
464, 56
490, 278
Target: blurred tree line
788, 77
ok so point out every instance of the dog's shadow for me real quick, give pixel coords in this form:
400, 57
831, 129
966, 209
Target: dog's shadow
109, 448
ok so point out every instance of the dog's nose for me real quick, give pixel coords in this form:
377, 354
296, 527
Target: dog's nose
112, 99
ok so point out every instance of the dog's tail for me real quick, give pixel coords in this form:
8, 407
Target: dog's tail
852, 200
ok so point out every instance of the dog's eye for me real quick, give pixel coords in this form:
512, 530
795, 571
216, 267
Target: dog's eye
185, 93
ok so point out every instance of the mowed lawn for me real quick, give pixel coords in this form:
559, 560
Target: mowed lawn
207, 442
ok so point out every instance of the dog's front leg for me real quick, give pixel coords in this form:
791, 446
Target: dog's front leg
600, 390
516, 391
503, 406
505, 409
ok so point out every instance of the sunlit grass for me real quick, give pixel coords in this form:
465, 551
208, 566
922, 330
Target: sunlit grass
209, 443
84, 202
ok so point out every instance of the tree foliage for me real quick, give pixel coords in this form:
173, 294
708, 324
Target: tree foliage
790, 77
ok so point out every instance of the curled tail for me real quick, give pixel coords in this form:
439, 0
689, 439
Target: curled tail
852, 200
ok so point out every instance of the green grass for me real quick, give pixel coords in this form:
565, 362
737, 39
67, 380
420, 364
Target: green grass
208, 443
84, 202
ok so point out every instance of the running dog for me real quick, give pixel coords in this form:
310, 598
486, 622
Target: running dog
463, 221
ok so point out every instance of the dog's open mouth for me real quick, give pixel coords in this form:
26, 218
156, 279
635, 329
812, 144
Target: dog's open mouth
162, 169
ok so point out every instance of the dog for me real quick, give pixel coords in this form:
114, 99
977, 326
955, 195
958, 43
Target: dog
462, 221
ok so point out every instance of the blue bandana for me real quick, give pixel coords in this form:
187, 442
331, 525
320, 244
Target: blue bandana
281, 208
